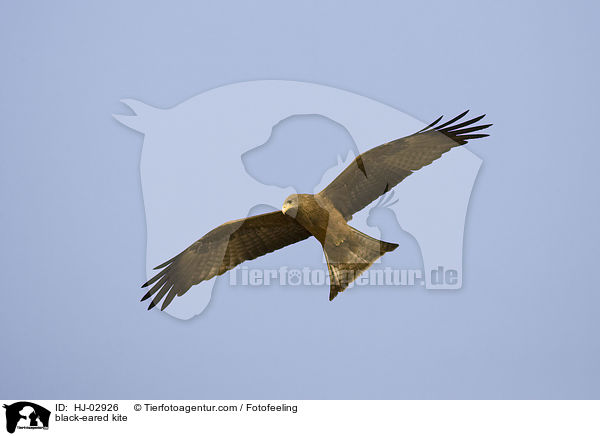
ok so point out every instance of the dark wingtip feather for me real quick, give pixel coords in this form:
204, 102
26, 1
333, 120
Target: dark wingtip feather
155, 278
431, 125
453, 120
155, 288
461, 125
461, 132
154, 302
470, 129
170, 296
475, 136
166, 287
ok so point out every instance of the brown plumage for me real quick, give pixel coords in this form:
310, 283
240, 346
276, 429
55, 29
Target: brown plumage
323, 215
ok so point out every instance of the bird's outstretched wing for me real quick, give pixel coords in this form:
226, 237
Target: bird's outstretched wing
221, 250
380, 169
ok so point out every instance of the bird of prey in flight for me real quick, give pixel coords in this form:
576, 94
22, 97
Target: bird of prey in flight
324, 215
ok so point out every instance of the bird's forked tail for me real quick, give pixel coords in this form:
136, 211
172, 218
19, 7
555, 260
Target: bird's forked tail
349, 256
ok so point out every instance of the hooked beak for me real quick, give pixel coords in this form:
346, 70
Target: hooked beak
288, 210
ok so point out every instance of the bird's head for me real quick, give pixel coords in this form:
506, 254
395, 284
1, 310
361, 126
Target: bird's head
290, 206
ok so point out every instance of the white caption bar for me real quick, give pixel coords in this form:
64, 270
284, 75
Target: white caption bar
301, 417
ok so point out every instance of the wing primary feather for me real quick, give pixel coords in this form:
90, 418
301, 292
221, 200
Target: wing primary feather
431, 125
470, 129
155, 278
154, 288
474, 136
456, 118
172, 294
160, 295
463, 124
